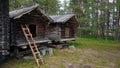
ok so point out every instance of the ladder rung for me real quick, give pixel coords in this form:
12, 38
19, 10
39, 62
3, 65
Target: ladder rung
31, 40
25, 29
28, 34
37, 53
32, 43
33, 46
40, 58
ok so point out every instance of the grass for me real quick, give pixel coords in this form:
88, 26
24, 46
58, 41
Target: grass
96, 53
99, 45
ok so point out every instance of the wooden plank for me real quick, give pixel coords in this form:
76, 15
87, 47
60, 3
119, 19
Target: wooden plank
67, 32
67, 39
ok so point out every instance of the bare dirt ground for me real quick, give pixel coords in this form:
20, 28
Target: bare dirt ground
89, 58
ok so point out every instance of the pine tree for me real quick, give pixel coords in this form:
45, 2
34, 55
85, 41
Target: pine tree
48, 6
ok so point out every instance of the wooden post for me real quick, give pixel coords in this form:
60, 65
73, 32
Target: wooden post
4, 26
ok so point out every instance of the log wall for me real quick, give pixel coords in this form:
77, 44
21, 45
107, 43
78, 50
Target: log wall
4, 27
69, 29
54, 32
57, 31
29, 20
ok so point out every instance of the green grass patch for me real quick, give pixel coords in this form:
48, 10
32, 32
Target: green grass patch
88, 51
103, 62
93, 43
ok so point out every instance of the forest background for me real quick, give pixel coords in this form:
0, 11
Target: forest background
98, 18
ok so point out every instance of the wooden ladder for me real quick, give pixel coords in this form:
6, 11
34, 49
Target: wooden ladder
32, 44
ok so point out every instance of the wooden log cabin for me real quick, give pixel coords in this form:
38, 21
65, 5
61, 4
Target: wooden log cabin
43, 28
63, 27
35, 19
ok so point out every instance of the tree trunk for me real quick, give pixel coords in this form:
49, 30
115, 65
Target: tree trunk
107, 22
119, 26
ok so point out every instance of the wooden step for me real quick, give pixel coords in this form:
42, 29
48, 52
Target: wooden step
33, 46
31, 40
37, 53
25, 29
28, 34
40, 58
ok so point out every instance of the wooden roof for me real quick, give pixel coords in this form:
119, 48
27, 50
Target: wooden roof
62, 18
18, 13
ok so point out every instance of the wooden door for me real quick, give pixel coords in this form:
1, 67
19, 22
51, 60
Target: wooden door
67, 32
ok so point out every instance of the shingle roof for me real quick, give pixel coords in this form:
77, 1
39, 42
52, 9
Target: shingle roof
61, 18
20, 12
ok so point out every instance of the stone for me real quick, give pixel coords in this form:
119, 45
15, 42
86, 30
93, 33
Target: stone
50, 51
28, 57
43, 52
72, 48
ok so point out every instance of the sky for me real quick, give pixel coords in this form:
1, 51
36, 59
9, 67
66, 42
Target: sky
110, 0
63, 1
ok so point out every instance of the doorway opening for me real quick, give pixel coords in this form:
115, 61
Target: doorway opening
33, 30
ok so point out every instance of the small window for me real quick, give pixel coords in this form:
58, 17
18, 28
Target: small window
33, 30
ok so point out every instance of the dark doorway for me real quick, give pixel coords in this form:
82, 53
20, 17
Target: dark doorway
33, 30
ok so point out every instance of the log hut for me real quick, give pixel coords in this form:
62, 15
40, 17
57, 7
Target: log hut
63, 27
34, 18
